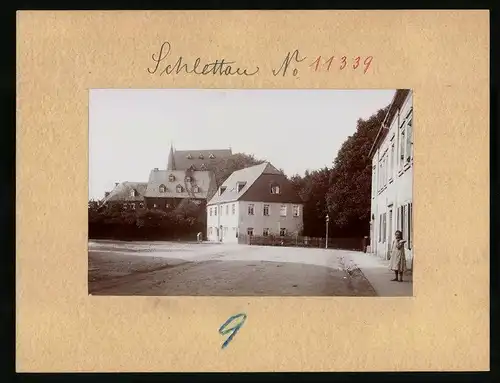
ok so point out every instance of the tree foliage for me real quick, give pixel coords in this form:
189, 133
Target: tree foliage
224, 167
342, 191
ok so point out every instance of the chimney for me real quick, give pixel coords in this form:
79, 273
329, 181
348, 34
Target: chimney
106, 194
155, 169
116, 184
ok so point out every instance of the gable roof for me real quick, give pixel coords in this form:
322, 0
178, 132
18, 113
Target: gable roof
121, 192
179, 159
257, 181
205, 180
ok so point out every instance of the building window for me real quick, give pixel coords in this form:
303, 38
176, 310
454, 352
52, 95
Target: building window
266, 209
265, 232
240, 186
132, 193
171, 178
196, 189
188, 179
163, 189
211, 156
220, 210
225, 230
141, 205
250, 231
282, 232
201, 156
155, 205
179, 189
410, 225
215, 210
251, 209
401, 148
283, 210
374, 187
203, 167
384, 227
210, 229
409, 137
391, 160
227, 209
210, 211
132, 205
167, 205
233, 209
275, 189
296, 210
189, 156
380, 228
125, 206
222, 189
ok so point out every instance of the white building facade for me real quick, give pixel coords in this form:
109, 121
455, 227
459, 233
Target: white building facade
227, 221
392, 178
255, 201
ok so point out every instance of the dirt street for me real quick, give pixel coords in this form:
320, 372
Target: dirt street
156, 269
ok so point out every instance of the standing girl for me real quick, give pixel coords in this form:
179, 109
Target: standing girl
398, 259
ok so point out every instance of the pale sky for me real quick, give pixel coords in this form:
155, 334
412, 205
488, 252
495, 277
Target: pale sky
130, 130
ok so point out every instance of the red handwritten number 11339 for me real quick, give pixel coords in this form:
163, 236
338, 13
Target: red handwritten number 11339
342, 62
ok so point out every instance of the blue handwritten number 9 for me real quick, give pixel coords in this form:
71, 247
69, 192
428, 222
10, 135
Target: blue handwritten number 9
233, 330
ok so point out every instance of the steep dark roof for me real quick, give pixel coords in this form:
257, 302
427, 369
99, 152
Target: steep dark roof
257, 182
205, 180
122, 192
182, 161
260, 191
397, 101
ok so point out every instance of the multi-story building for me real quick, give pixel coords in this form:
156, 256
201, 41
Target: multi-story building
392, 178
127, 195
189, 176
258, 200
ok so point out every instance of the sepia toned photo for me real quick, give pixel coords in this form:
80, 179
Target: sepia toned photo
245, 192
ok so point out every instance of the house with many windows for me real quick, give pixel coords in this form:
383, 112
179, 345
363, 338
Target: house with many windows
189, 175
127, 195
255, 201
392, 178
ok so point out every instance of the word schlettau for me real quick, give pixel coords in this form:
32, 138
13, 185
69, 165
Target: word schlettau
220, 67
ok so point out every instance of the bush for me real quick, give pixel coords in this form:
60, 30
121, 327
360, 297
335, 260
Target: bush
112, 222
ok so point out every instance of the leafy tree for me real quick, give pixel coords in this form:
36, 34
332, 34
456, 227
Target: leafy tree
348, 197
224, 167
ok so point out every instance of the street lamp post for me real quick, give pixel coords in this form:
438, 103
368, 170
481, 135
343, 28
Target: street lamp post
327, 220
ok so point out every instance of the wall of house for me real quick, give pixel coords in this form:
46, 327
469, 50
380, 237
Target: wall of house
225, 217
274, 222
392, 187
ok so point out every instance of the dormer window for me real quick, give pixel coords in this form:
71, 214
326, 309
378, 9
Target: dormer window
211, 156
171, 178
188, 179
239, 186
222, 189
133, 193
163, 188
192, 168
196, 189
179, 189
201, 156
275, 189
203, 167
189, 156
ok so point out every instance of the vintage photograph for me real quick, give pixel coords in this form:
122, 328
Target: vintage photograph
250, 192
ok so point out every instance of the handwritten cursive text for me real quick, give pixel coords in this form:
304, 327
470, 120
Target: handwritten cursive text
220, 67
